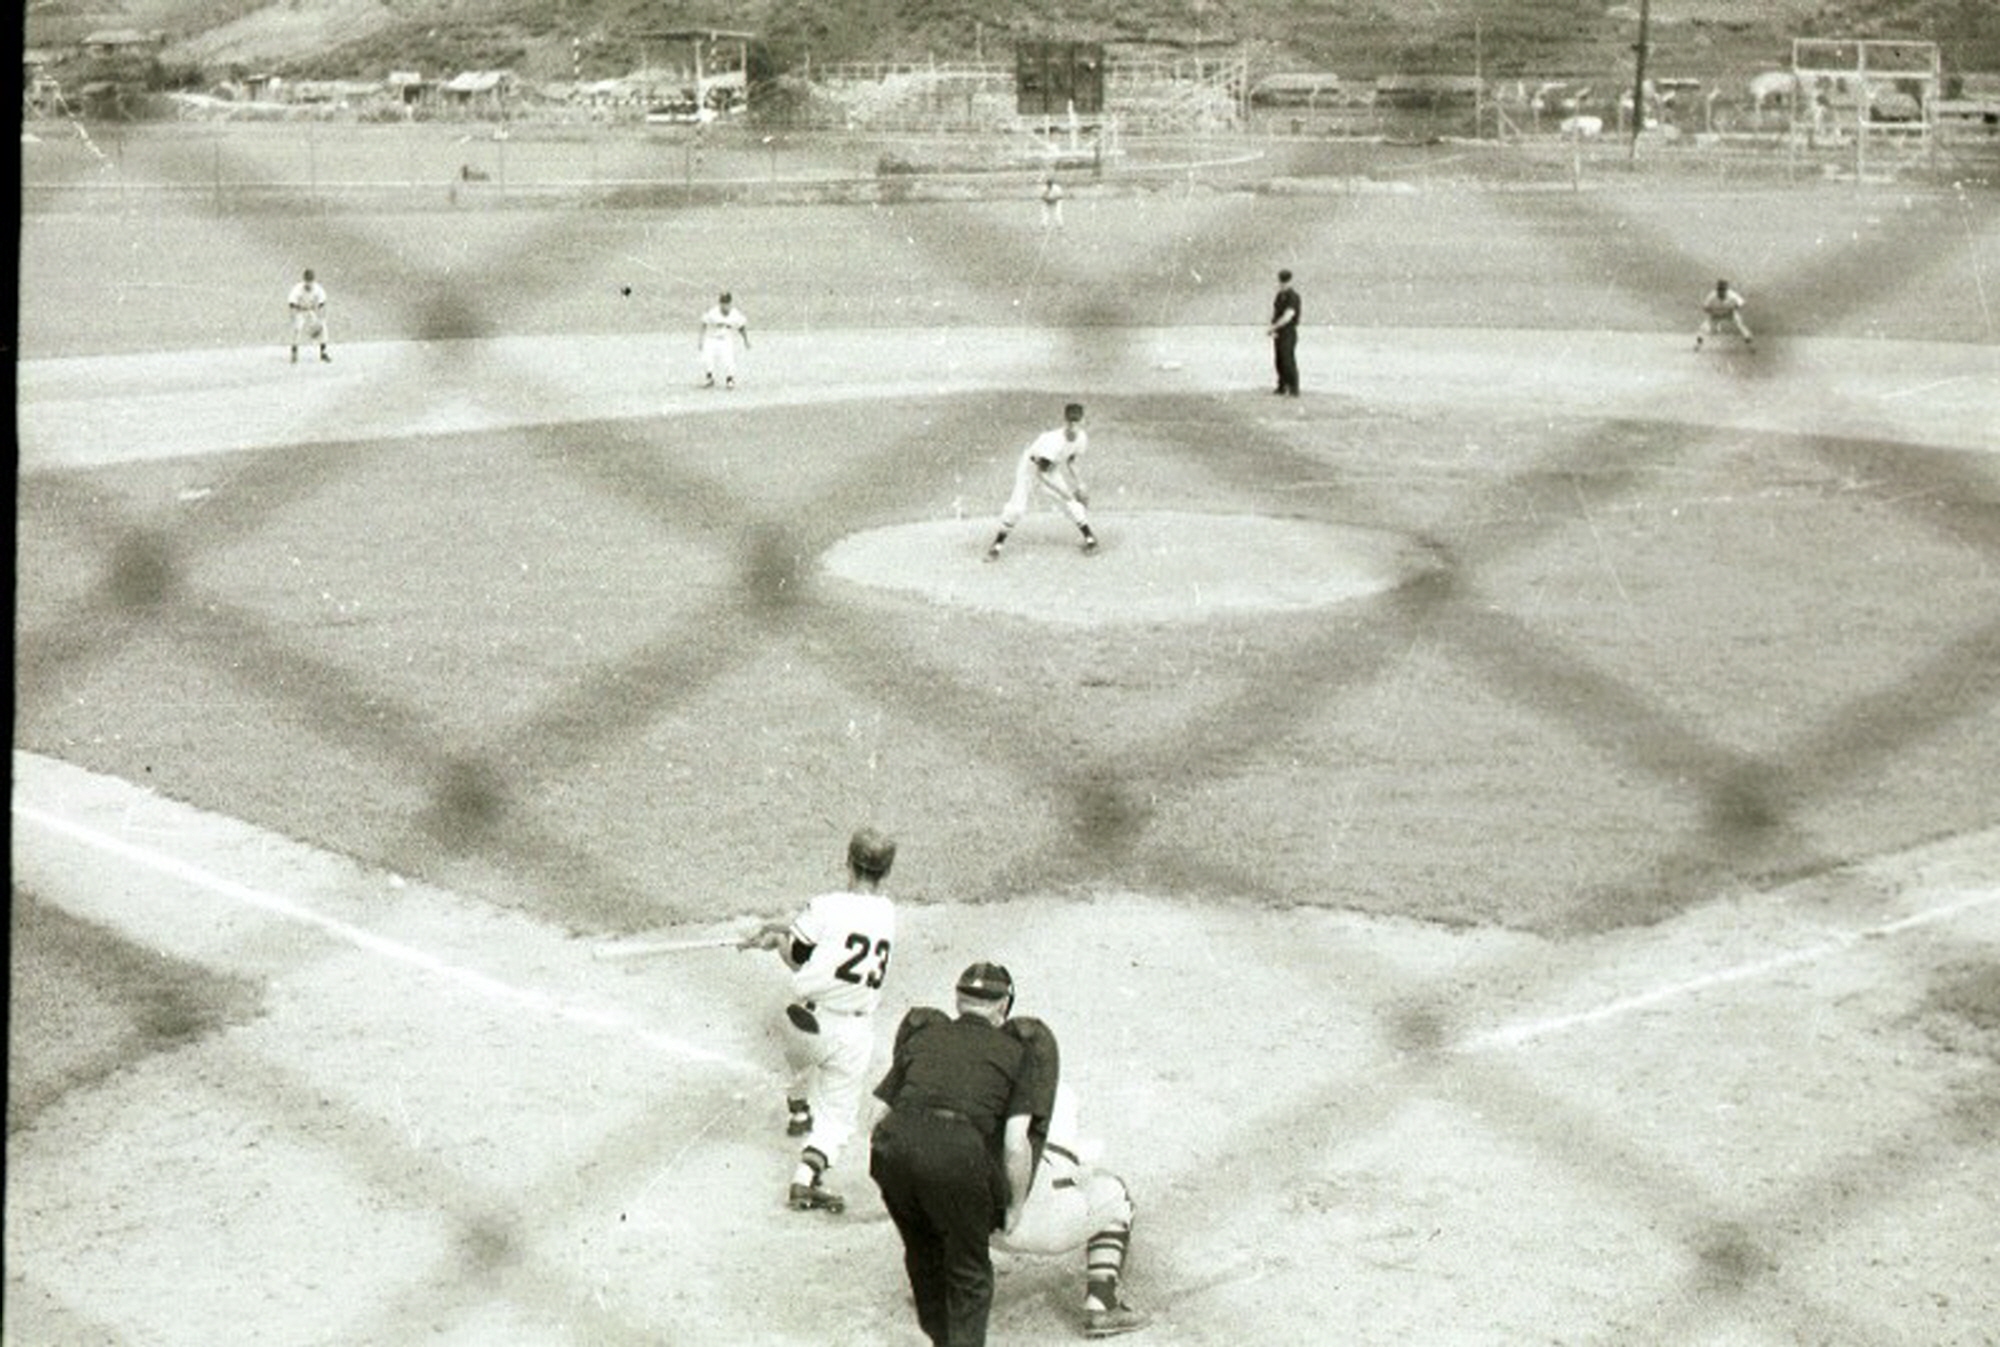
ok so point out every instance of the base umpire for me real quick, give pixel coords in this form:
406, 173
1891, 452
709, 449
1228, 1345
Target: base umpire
952, 1157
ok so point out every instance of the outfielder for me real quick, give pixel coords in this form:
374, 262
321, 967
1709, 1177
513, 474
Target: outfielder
1049, 463
308, 304
1071, 1204
722, 327
1052, 199
1722, 305
838, 950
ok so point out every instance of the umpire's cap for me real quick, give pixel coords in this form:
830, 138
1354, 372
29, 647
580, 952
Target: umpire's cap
871, 853
986, 982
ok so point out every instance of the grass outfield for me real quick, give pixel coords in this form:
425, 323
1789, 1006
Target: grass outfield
1704, 666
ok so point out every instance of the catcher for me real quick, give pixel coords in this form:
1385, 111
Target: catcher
308, 303
1071, 1204
1050, 463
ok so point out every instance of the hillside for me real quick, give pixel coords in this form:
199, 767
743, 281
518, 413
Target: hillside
598, 38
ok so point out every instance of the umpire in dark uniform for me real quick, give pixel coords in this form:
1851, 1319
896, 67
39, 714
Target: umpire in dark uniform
1284, 332
952, 1155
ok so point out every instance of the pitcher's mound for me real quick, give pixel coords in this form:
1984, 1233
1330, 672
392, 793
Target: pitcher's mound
1156, 566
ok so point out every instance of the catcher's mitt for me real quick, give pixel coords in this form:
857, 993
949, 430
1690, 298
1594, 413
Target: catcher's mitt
802, 1018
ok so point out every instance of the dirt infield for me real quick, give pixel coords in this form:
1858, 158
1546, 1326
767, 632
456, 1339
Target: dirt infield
345, 1175
1543, 886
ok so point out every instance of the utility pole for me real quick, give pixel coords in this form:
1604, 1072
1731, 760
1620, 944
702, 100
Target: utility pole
1639, 77
1479, 81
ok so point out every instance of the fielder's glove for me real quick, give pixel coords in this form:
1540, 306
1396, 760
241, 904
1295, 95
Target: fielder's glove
1043, 464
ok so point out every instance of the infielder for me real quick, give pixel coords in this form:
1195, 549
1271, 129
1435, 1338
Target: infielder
1049, 463
838, 950
1722, 305
1052, 199
722, 328
308, 305
1071, 1204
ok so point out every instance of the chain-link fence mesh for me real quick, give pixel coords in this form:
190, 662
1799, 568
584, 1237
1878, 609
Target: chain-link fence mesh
1751, 814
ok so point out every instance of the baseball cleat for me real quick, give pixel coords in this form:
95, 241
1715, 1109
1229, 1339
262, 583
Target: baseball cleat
1089, 545
812, 1197
1120, 1318
992, 554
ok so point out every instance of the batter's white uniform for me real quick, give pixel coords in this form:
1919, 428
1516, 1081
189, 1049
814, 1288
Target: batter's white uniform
308, 305
722, 331
1057, 450
1070, 1199
852, 934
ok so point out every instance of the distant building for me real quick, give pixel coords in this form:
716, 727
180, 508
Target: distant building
123, 42
1298, 89
1427, 91
478, 91
409, 87
695, 74
41, 92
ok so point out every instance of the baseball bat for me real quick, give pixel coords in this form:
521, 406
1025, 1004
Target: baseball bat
645, 949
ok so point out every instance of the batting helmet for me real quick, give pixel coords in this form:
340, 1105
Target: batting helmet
870, 853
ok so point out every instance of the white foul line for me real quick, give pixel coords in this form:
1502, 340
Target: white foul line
479, 983
1513, 1035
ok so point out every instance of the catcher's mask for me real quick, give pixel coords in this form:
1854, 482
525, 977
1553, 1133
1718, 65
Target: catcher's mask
987, 982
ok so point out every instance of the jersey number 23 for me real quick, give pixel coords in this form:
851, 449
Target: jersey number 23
867, 965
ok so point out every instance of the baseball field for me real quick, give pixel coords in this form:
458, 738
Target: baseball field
1509, 841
